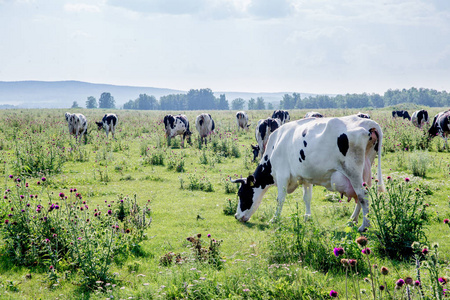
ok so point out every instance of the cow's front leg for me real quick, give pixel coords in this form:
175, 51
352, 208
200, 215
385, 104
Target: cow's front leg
307, 196
280, 201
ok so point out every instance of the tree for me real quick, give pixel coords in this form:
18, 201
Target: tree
129, 105
270, 105
201, 99
146, 102
251, 104
237, 104
223, 103
260, 103
75, 104
173, 102
106, 101
91, 102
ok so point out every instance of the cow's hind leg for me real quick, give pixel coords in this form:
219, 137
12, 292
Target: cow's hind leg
307, 196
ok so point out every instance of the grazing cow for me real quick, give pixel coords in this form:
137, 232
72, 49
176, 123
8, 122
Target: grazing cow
263, 130
77, 124
255, 150
282, 115
441, 126
313, 114
401, 113
205, 125
419, 118
242, 120
362, 115
336, 153
109, 123
177, 125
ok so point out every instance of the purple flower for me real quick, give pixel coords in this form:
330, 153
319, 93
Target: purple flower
446, 221
10, 176
6, 221
400, 282
417, 283
109, 212
366, 251
61, 195
209, 235
43, 179
425, 251
407, 179
333, 293
338, 251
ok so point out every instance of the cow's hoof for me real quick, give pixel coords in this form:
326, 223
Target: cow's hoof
307, 218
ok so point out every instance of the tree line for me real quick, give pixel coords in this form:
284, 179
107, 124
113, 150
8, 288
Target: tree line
204, 99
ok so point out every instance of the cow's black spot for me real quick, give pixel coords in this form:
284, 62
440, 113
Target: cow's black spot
263, 176
213, 125
201, 122
342, 142
302, 154
304, 132
245, 194
266, 157
262, 130
299, 159
304, 143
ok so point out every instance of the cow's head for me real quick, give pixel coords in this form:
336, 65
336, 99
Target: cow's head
255, 150
99, 124
246, 205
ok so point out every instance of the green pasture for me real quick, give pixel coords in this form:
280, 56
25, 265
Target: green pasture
140, 163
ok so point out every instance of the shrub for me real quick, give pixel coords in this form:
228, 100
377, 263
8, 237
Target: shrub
67, 233
418, 163
398, 217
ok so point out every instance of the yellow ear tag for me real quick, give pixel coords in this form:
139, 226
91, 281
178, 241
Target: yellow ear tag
252, 184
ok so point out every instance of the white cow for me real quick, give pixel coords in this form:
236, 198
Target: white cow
109, 123
313, 114
282, 115
419, 118
336, 153
205, 125
242, 120
263, 130
77, 124
176, 125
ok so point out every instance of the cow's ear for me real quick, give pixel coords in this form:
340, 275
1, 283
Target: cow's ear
251, 180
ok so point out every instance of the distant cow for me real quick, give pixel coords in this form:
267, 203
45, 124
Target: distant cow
205, 125
282, 115
419, 118
313, 114
109, 123
362, 115
401, 113
263, 130
77, 124
177, 125
441, 126
336, 153
242, 120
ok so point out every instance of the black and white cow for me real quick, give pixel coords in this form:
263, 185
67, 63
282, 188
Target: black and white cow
441, 126
401, 113
419, 118
336, 153
313, 114
77, 124
205, 126
109, 123
242, 120
363, 115
282, 115
263, 130
177, 125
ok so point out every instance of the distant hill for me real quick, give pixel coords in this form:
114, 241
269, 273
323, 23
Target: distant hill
61, 94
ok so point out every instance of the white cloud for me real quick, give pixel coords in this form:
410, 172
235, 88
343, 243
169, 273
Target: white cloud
81, 7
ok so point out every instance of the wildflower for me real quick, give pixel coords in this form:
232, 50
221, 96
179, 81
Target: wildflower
425, 251
352, 262
246, 290
362, 240
338, 251
55, 235
61, 195
366, 251
407, 179
384, 271
442, 280
23, 210
333, 293
417, 283
11, 177
381, 287
446, 221
38, 183
43, 179
128, 230
435, 245
209, 235
22, 196
364, 184
46, 241
56, 206
344, 262
31, 196
408, 280
400, 282
51, 268
109, 212
6, 221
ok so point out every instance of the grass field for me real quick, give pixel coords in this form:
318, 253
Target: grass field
188, 190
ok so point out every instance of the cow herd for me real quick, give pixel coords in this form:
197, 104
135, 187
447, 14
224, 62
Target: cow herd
336, 153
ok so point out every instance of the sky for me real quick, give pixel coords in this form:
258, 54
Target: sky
315, 46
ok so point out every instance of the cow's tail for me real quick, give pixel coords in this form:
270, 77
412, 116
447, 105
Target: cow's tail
381, 187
